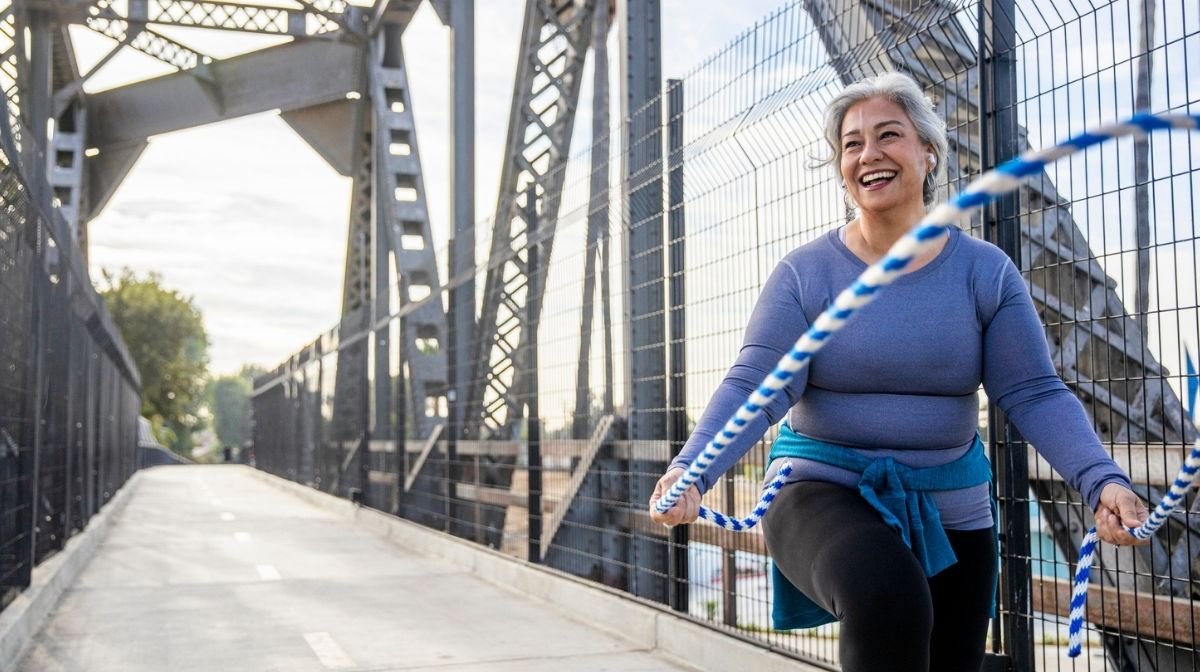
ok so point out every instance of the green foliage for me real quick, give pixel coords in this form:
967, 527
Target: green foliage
229, 400
249, 372
165, 334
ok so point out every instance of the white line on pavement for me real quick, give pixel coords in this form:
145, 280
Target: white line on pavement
328, 652
268, 572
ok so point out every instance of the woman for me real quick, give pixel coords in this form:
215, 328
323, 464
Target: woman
887, 522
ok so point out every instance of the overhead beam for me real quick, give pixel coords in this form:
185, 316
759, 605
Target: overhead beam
103, 174
145, 40
330, 129
257, 82
232, 16
398, 12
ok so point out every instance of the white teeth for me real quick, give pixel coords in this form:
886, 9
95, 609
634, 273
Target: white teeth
878, 175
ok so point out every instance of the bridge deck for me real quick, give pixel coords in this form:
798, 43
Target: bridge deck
210, 568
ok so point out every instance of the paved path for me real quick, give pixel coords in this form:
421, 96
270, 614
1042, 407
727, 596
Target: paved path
210, 569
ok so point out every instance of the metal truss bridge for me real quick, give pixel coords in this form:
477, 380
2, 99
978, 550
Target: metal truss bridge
424, 401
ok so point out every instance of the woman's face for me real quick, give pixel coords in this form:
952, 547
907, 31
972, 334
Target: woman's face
884, 163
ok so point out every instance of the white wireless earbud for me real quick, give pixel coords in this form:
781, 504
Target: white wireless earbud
932, 160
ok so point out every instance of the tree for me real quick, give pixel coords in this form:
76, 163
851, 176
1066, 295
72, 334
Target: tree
165, 335
229, 401
249, 372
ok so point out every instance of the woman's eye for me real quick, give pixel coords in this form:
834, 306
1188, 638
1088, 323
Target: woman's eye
851, 144
888, 134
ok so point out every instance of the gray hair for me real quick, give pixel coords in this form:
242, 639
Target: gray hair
903, 91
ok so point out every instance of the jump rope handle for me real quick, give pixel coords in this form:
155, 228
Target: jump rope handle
1087, 550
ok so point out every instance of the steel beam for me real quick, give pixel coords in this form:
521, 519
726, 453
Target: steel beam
149, 42
104, 172
642, 186
355, 288
329, 129
401, 208
36, 111
462, 208
64, 168
396, 12
389, 219
554, 42
257, 82
14, 75
597, 223
677, 421
644, 261
315, 18
1001, 227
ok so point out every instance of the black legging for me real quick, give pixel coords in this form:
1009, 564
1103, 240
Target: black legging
836, 549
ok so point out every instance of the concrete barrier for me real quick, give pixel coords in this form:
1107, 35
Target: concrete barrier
23, 619
647, 624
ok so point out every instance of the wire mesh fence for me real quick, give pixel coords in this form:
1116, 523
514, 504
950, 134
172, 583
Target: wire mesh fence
638, 277
69, 394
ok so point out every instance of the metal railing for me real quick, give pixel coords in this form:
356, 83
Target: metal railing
730, 147
69, 392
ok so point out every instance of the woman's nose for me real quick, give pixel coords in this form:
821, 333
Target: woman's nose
870, 152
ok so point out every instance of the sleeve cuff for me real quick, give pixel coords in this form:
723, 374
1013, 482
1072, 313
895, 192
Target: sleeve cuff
701, 484
1094, 495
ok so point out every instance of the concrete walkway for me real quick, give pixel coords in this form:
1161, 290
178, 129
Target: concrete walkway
211, 568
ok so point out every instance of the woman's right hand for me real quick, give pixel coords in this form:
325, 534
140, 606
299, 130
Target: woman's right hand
686, 509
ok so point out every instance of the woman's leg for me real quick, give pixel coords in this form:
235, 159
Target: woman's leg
962, 600
836, 549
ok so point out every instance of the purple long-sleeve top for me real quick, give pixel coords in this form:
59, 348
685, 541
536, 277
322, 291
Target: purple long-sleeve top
901, 379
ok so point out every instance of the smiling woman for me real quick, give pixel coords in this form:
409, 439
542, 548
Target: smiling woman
881, 430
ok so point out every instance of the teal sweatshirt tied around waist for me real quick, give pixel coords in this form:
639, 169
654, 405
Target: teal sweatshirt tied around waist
902, 496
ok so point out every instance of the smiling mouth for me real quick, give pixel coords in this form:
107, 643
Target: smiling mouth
877, 178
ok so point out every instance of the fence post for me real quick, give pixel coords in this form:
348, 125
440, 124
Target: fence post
645, 325
677, 430
532, 418
1001, 226
31, 438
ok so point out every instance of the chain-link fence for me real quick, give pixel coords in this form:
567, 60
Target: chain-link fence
635, 296
69, 393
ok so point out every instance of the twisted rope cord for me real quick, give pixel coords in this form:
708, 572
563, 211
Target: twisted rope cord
987, 188
1087, 550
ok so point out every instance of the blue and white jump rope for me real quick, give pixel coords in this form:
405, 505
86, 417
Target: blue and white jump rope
987, 188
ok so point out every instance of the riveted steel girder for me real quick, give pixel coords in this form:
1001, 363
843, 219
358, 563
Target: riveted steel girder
14, 67
148, 42
315, 18
402, 214
255, 82
554, 42
388, 201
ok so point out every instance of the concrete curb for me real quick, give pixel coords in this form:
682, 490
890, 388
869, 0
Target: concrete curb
646, 624
21, 621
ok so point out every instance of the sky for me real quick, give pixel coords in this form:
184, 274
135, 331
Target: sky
249, 221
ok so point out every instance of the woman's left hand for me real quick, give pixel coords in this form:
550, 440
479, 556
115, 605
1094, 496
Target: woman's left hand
1120, 508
